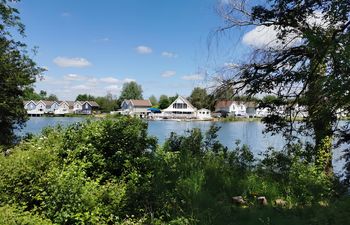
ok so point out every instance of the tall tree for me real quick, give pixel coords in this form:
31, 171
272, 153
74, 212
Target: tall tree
163, 102
85, 97
17, 72
52, 97
307, 64
153, 100
107, 103
131, 90
199, 98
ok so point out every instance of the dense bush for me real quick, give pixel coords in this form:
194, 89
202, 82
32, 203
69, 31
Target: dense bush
112, 172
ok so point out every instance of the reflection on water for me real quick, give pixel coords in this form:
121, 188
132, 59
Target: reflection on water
249, 133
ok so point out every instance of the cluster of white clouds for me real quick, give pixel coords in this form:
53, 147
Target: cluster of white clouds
264, 37
144, 50
168, 73
71, 62
169, 54
70, 85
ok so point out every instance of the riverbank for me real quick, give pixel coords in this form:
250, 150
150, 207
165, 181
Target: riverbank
114, 172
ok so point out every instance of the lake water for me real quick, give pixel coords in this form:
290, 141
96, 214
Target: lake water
250, 133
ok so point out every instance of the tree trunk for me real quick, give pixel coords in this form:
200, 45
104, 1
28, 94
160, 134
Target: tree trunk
321, 119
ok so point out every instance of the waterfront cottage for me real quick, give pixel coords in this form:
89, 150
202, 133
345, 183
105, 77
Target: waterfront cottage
180, 108
204, 114
51, 106
30, 106
135, 107
89, 107
233, 108
63, 108
77, 107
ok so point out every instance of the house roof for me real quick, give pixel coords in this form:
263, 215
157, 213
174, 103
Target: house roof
190, 107
223, 103
186, 101
92, 103
141, 103
48, 103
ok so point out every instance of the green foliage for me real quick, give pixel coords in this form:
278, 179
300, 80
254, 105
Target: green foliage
11, 215
131, 90
313, 73
164, 102
85, 97
199, 98
17, 72
153, 100
110, 172
30, 94
107, 103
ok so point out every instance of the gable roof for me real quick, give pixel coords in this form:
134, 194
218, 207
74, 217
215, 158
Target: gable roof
92, 103
186, 101
223, 103
48, 103
27, 102
189, 108
141, 103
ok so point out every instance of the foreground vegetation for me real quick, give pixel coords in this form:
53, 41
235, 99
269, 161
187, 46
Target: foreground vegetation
112, 172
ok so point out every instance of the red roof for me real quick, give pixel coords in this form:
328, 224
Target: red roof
141, 103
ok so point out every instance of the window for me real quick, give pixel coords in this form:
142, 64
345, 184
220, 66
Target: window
180, 106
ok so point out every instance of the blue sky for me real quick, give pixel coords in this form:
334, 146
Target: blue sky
95, 46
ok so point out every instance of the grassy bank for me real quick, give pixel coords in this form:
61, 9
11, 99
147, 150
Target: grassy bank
112, 172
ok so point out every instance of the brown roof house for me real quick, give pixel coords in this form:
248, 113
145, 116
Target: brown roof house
135, 107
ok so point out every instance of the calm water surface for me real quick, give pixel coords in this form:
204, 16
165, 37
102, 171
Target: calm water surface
249, 133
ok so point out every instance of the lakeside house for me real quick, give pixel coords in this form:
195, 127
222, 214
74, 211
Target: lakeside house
181, 108
135, 107
204, 114
233, 108
40, 108
89, 107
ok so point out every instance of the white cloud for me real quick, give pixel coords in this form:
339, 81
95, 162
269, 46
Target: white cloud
110, 80
143, 49
193, 77
74, 77
266, 36
127, 80
168, 73
169, 54
81, 87
113, 88
71, 62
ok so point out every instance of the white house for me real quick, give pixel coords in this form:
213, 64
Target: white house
204, 114
77, 107
180, 108
51, 106
62, 109
30, 106
234, 108
135, 107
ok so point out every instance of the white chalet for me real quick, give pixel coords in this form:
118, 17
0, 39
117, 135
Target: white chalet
135, 107
51, 106
180, 108
63, 108
30, 106
77, 107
